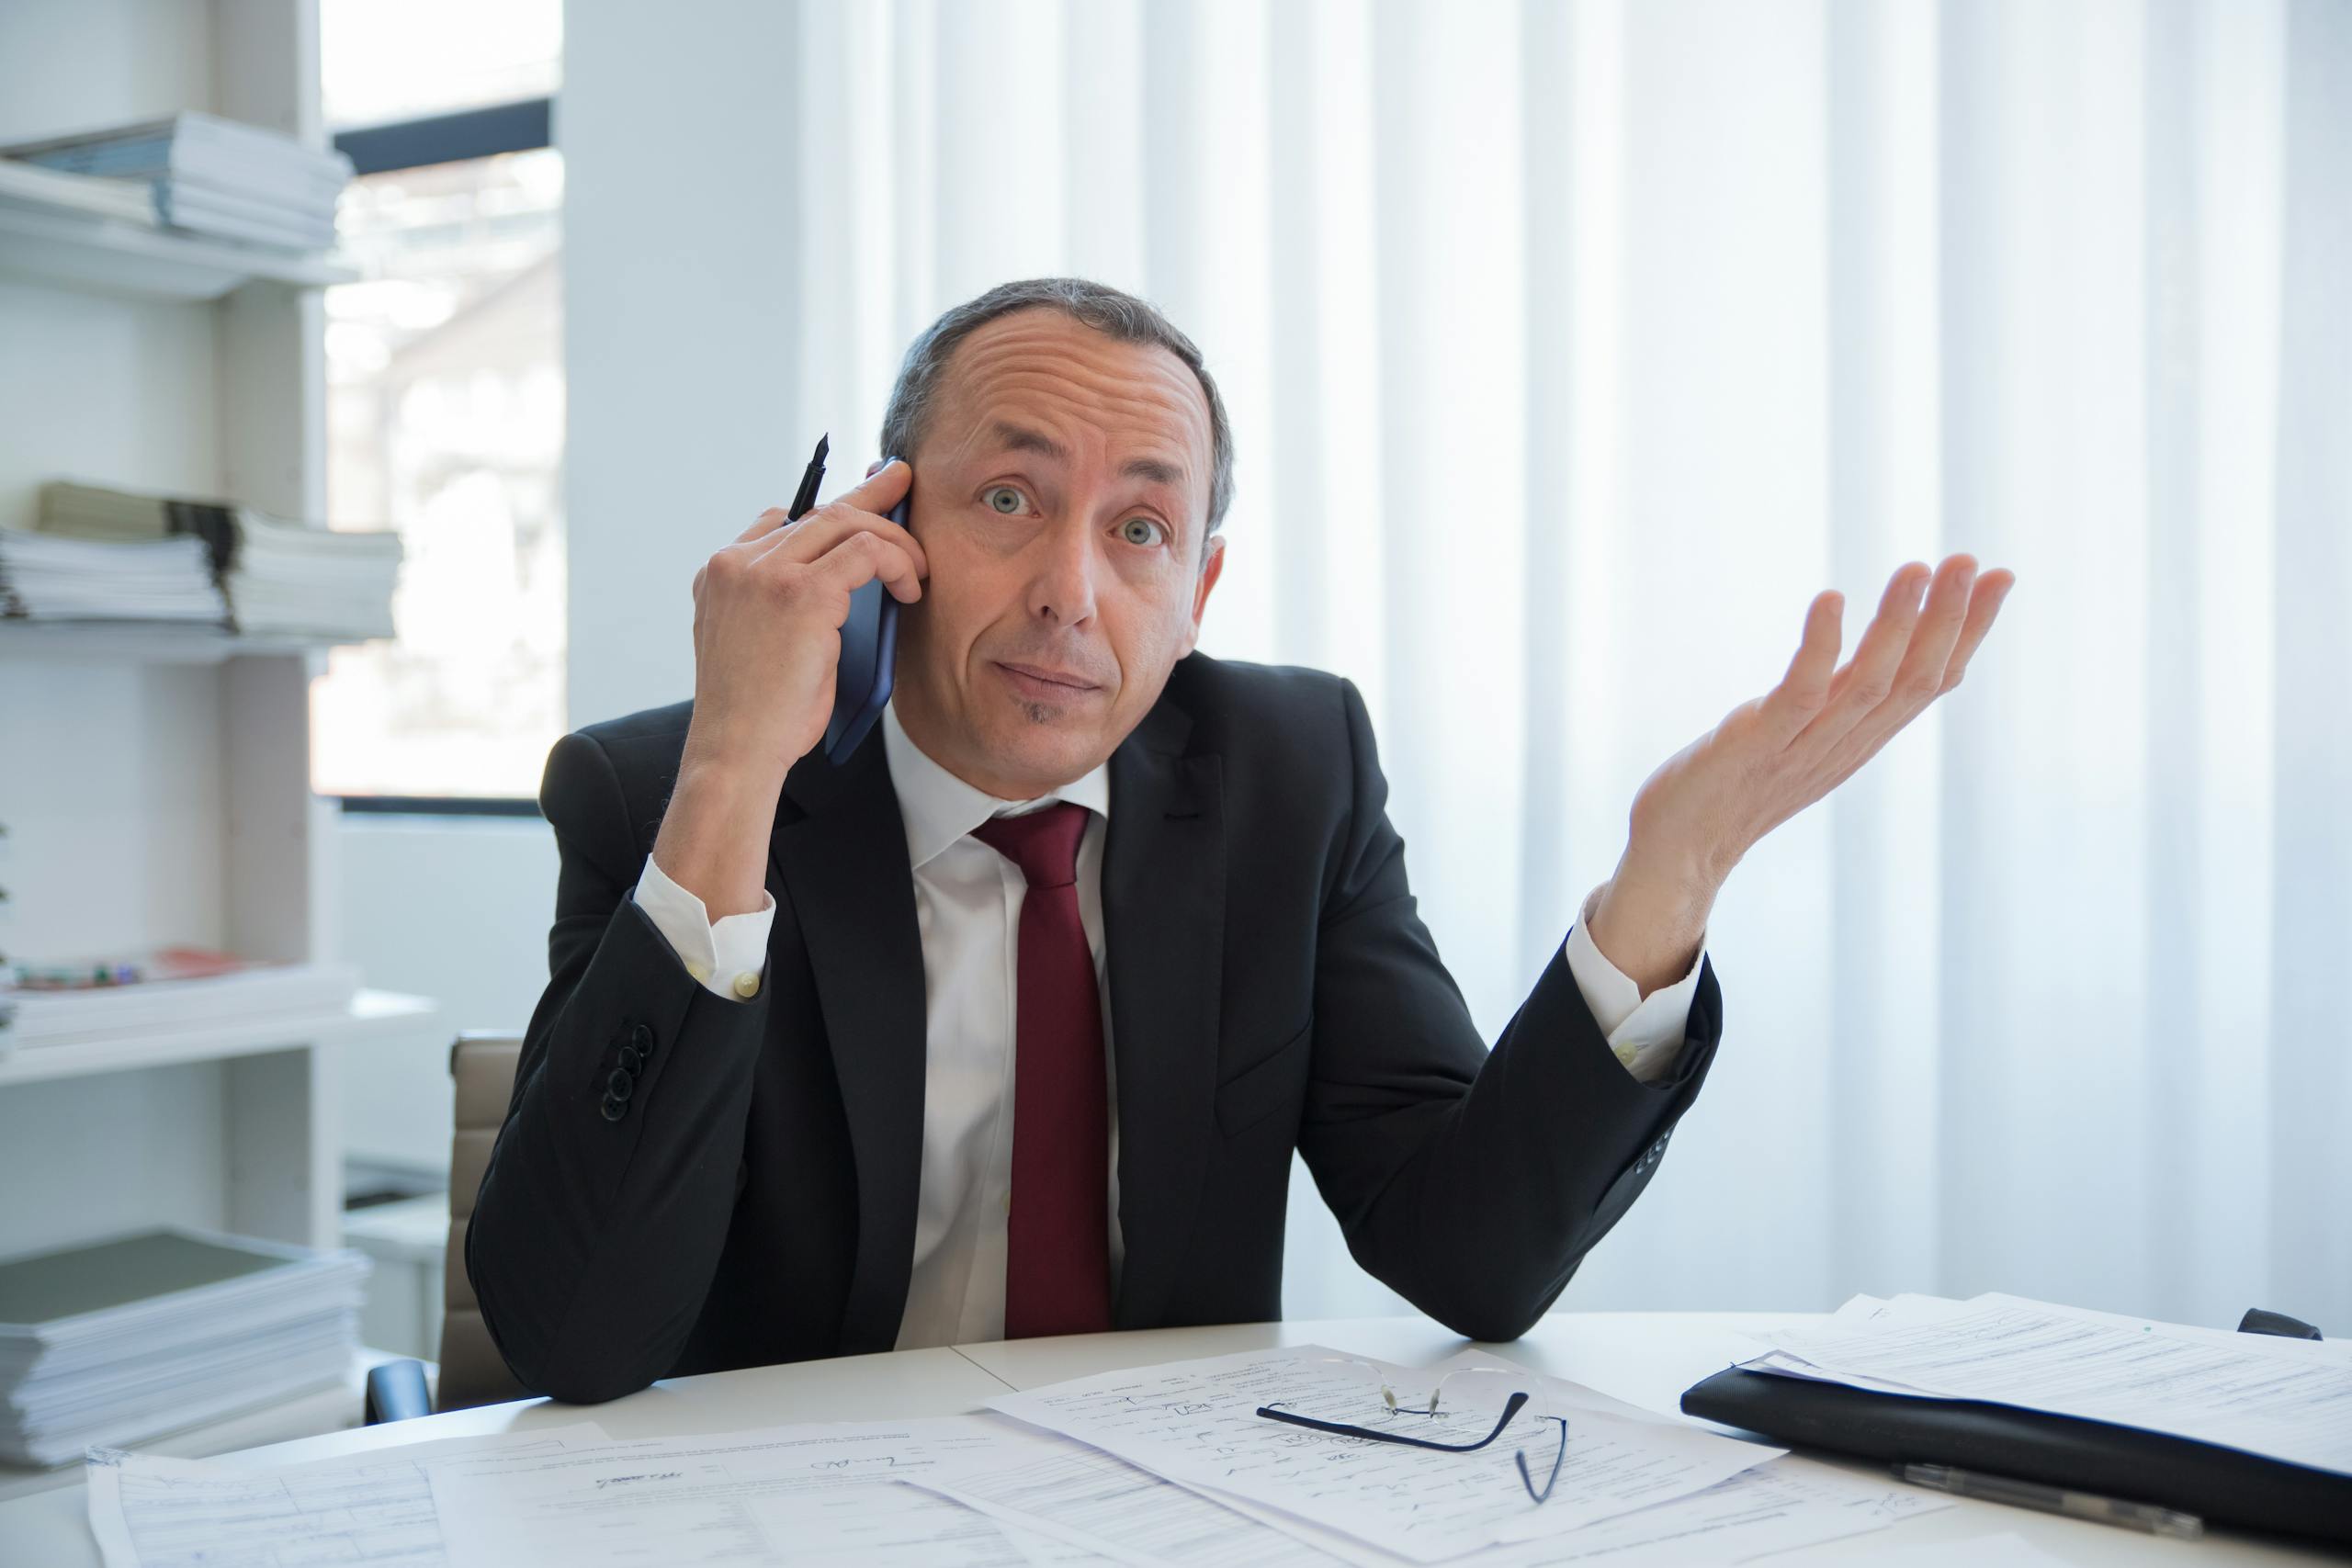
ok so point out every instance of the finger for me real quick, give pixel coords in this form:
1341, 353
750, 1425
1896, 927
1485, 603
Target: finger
1983, 605
882, 488
1792, 705
1921, 674
1868, 676
863, 557
824, 529
766, 522
1919, 679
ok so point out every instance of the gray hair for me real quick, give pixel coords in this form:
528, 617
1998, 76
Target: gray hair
1111, 311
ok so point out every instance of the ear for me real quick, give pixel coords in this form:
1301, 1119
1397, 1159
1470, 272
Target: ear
1212, 564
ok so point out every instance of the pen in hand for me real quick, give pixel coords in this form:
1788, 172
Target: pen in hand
805, 496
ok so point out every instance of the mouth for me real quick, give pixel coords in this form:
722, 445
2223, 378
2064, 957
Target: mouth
1038, 682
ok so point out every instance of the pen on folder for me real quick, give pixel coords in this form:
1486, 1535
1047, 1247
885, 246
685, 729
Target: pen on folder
2089, 1506
805, 496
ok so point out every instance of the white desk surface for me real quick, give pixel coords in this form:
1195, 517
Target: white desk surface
1645, 1358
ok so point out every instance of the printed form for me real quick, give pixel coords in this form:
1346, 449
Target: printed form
148, 1511
2286, 1399
825, 1493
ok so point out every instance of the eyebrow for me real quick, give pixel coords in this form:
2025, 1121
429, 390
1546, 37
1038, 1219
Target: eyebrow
1019, 438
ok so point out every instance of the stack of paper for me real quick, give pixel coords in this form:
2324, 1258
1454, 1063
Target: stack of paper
286, 577
121, 1340
2285, 1399
257, 995
280, 577
211, 176
50, 577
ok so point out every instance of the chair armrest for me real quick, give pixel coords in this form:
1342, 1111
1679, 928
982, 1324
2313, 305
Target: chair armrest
396, 1392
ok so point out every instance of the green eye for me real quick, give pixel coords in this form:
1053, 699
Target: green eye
1139, 530
1004, 499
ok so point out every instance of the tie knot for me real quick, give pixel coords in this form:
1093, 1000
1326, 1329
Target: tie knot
1043, 844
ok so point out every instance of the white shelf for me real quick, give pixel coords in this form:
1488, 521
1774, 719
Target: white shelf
369, 1015
109, 255
331, 1408
144, 642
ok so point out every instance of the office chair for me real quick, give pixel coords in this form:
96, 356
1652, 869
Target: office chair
472, 1372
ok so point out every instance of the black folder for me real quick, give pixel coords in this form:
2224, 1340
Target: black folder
2223, 1485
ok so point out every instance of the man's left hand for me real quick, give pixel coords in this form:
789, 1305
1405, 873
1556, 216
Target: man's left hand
1707, 805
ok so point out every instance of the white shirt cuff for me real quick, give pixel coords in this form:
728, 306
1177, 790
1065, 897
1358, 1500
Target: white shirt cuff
1645, 1034
728, 956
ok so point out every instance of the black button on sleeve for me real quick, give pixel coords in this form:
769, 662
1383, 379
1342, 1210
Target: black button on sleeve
613, 1109
642, 1038
630, 1061
620, 1085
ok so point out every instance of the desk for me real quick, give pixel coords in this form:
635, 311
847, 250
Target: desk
1645, 1358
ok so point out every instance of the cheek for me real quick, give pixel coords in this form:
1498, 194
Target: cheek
1148, 625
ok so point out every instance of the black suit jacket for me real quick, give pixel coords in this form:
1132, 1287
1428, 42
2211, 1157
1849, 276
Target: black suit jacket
737, 1187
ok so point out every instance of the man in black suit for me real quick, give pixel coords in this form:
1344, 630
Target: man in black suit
1011, 1023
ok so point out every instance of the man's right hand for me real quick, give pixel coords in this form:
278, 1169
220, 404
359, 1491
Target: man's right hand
768, 614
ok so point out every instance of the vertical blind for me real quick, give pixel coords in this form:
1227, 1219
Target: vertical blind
1571, 344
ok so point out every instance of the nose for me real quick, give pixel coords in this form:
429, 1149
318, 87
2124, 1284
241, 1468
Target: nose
1062, 588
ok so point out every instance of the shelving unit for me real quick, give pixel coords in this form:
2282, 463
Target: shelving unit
154, 781
139, 642
371, 1013
105, 256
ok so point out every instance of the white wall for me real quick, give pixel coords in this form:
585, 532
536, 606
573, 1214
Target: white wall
681, 288
456, 910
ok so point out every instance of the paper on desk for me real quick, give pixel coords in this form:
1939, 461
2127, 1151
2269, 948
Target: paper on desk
150, 1511
1194, 1422
2007, 1549
2281, 1398
807, 1494
1100, 1504
1777, 1507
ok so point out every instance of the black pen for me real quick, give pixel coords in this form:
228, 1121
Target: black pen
2054, 1500
805, 496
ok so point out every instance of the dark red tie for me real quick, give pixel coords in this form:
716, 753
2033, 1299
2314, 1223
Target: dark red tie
1058, 1262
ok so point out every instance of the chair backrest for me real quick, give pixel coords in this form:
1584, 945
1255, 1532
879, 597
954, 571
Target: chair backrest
472, 1372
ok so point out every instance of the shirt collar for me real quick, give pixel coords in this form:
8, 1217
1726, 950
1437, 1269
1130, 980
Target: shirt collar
939, 808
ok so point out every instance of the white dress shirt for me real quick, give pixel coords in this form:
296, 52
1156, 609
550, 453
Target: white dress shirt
967, 905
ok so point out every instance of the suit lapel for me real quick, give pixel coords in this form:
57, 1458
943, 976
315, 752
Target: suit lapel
1163, 917
843, 865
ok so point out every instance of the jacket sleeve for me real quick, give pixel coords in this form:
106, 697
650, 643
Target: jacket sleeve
606, 1199
1470, 1182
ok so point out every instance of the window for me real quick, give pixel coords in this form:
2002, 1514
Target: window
445, 400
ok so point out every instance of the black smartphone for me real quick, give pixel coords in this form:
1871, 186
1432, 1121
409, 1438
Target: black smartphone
869, 657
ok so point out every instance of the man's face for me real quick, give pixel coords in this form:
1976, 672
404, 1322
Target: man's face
1060, 494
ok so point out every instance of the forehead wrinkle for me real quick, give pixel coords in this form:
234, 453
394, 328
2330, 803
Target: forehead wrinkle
1015, 437
1041, 368
1146, 379
1130, 422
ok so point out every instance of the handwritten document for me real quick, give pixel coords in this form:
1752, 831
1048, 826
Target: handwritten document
1194, 1422
2283, 1398
148, 1511
835, 1493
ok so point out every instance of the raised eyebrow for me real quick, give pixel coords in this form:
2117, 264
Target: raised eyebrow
1021, 438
